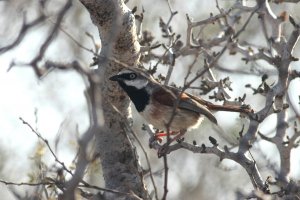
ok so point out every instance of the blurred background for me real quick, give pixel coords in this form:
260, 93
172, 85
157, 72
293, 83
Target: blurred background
55, 105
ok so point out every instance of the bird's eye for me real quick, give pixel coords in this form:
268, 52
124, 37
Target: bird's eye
132, 76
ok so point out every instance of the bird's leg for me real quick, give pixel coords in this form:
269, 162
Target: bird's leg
164, 148
158, 136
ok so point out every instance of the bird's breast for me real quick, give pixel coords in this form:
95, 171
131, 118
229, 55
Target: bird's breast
160, 115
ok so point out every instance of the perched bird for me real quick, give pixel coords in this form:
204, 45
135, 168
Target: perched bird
156, 102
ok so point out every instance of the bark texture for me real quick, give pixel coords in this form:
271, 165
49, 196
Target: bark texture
119, 44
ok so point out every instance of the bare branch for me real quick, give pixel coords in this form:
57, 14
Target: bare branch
24, 30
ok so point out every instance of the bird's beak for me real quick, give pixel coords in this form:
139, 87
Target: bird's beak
115, 78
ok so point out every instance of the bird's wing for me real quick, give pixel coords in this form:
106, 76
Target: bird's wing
190, 104
168, 96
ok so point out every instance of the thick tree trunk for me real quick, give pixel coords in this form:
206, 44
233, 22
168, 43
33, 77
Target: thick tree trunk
120, 166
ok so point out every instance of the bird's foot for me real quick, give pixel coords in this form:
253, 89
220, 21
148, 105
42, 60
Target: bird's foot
163, 150
159, 136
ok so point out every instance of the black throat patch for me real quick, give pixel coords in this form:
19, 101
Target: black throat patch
139, 97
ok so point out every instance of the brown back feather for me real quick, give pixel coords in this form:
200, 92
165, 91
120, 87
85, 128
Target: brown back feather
168, 95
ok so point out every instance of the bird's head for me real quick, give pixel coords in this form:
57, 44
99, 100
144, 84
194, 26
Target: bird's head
136, 78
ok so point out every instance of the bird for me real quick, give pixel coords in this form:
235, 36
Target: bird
162, 105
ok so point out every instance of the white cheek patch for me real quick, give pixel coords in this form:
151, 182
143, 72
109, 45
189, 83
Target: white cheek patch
137, 83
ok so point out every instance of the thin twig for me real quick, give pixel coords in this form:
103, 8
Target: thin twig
166, 174
24, 29
85, 184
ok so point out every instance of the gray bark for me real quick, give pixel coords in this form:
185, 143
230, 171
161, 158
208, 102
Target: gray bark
120, 166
